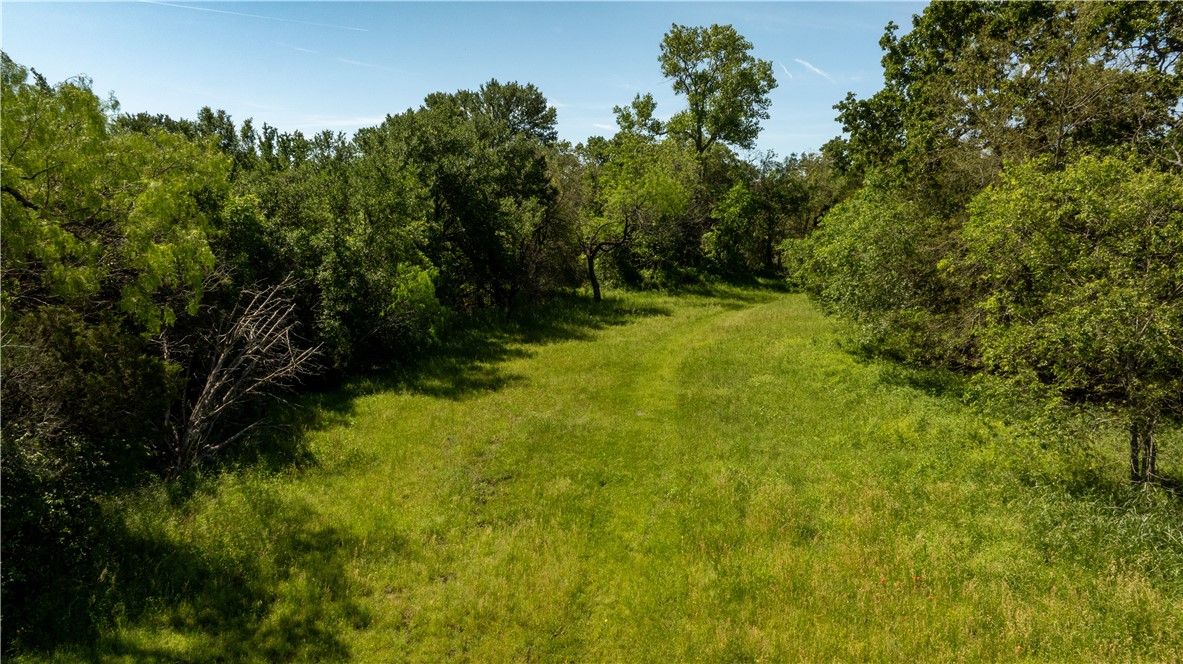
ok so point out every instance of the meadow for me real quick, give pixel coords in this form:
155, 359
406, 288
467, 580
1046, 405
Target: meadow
707, 476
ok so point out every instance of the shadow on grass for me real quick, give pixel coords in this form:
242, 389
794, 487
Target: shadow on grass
933, 381
147, 597
290, 597
734, 294
1079, 504
291, 602
469, 362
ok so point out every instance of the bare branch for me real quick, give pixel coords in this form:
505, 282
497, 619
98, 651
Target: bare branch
255, 354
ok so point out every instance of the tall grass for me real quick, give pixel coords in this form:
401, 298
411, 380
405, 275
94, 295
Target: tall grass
705, 477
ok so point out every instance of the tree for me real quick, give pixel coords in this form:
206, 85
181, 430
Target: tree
253, 353
106, 243
576, 174
726, 88
637, 117
482, 159
971, 87
513, 110
644, 192
874, 259
1080, 282
101, 219
973, 84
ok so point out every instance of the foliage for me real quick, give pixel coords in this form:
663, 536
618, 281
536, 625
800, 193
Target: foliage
107, 244
874, 259
1079, 278
340, 222
726, 88
648, 187
732, 244
480, 159
1011, 81
413, 307
95, 218
1045, 87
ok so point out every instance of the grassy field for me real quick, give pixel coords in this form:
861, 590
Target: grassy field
703, 477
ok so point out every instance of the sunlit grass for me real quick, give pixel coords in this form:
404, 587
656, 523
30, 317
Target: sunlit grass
692, 478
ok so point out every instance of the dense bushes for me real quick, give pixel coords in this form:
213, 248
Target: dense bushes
107, 244
1078, 277
1020, 213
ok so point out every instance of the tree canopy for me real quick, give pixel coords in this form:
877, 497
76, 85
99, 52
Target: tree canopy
725, 86
1019, 203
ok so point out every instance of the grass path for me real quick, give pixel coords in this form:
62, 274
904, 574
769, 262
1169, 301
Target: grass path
700, 478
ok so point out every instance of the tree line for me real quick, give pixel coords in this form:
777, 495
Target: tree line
1020, 213
1009, 205
162, 277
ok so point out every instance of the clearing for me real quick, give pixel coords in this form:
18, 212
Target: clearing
701, 477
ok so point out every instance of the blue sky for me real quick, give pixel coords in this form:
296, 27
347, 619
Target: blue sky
344, 65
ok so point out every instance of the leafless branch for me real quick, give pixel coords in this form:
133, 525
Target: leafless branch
256, 353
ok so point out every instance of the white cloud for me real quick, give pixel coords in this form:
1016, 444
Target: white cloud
814, 70
787, 72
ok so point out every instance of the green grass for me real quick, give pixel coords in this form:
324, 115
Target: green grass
705, 477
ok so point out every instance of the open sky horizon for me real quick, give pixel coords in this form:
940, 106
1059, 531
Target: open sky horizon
311, 66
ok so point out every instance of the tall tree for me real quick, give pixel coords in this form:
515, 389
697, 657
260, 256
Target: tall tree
481, 156
725, 86
975, 83
971, 87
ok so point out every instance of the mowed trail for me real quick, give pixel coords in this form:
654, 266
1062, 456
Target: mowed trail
665, 489
588, 508
692, 478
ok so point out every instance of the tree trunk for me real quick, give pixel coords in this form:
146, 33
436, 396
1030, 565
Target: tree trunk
591, 275
1135, 453
1143, 454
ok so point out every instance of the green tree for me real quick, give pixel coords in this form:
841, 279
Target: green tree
973, 84
732, 241
579, 207
97, 218
645, 190
726, 88
637, 117
1080, 282
106, 245
874, 259
970, 87
482, 157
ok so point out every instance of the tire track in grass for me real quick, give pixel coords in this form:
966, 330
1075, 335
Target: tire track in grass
651, 513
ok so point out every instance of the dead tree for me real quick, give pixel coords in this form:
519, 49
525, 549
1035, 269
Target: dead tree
254, 353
